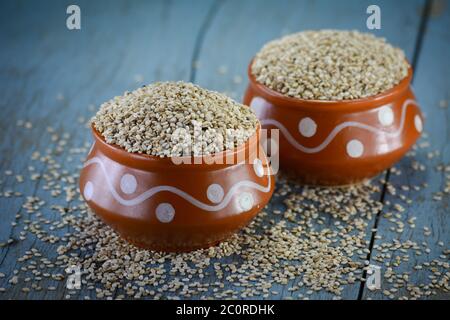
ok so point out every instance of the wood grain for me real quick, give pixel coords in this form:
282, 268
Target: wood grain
400, 27
50, 76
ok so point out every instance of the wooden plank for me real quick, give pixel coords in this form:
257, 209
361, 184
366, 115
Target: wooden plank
122, 41
241, 28
50, 76
432, 88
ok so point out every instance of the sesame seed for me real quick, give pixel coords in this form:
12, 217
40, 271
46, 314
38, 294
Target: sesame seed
175, 119
329, 65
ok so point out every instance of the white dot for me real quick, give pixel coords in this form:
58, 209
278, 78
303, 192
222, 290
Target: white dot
386, 116
255, 102
245, 201
258, 167
307, 127
258, 102
215, 193
165, 212
355, 148
418, 123
88, 190
258, 105
128, 183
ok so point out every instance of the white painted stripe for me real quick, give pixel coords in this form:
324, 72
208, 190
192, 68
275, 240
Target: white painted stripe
154, 190
338, 129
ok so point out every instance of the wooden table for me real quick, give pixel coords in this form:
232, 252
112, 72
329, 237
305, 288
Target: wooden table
50, 75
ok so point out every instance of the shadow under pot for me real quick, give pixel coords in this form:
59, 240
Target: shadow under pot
338, 142
162, 204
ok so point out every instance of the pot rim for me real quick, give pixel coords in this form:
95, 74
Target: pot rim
362, 104
146, 161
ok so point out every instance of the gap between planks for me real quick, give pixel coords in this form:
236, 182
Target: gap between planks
212, 12
425, 17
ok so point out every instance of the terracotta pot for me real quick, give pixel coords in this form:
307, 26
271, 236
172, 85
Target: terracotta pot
157, 204
339, 142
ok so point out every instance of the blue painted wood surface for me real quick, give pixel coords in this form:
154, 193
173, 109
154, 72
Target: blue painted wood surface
50, 76
431, 86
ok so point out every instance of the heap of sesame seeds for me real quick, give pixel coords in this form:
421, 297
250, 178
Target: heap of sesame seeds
307, 241
174, 119
329, 65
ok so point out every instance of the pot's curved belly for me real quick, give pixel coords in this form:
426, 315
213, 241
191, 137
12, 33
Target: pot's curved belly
178, 210
340, 148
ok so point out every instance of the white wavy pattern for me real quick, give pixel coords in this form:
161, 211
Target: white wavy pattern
154, 190
339, 128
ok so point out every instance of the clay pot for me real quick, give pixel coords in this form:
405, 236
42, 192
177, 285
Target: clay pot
339, 142
157, 204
